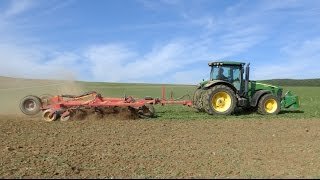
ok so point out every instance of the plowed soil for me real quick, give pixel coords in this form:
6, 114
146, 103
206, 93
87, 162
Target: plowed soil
120, 148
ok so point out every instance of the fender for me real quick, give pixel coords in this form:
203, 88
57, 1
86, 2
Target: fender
255, 98
218, 82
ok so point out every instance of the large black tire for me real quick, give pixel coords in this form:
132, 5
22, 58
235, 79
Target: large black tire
269, 104
197, 100
220, 100
30, 105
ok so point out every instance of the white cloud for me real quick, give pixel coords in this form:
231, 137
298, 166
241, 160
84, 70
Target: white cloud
17, 61
304, 49
17, 7
300, 61
109, 62
165, 63
280, 5
105, 62
156, 5
172, 61
193, 76
118, 63
52, 6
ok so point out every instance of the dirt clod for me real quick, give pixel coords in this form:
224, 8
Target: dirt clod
9, 148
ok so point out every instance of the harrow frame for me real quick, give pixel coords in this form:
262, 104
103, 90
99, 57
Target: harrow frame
65, 106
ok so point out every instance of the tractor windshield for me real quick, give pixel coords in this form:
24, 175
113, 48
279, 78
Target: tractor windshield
231, 74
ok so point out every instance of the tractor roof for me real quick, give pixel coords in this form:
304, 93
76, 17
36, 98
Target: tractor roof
216, 63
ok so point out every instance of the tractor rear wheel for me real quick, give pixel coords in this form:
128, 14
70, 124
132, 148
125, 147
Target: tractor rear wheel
220, 100
269, 104
197, 100
30, 105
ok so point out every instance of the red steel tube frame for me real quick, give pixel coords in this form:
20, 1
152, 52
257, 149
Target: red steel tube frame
59, 101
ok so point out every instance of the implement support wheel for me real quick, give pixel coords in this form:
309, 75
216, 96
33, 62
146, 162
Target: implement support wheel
48, 115
30, 105
66, 116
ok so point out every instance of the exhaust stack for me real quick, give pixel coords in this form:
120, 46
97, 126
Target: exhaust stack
246, 81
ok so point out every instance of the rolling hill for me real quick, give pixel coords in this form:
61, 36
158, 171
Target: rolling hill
8, 82
293, 82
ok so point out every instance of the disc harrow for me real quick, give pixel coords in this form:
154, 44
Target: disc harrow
67, 107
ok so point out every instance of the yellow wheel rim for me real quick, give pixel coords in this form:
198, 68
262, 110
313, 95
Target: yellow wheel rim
271, 106
221, 101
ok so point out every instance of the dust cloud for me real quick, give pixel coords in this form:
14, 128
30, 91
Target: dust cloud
12, 90
70, 87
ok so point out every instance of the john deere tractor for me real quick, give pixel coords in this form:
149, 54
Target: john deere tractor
229, 88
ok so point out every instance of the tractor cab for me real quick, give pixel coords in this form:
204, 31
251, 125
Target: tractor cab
231, 72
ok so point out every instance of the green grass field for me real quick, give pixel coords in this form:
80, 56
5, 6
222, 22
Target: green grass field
12, 91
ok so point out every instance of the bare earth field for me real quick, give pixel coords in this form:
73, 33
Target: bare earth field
178, 143
121, 148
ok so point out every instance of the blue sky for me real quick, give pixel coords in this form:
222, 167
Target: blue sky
160, 41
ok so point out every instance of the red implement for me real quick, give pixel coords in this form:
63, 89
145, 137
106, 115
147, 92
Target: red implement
66, 106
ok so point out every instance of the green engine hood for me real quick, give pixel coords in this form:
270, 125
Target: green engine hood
256, 86
263, 86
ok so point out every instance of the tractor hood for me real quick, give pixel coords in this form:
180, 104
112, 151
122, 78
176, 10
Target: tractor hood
263, 85
256, 86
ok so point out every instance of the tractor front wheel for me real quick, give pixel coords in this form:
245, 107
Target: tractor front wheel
220, 100
269, 104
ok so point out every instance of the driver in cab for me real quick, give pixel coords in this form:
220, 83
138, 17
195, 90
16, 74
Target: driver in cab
221, 75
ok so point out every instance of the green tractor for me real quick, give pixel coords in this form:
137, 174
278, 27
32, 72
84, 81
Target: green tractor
229, 88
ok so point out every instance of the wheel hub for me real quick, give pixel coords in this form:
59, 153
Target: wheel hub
221, 101
30, 105
271, 106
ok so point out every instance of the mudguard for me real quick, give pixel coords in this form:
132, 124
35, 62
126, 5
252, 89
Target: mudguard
216, 82
255, 98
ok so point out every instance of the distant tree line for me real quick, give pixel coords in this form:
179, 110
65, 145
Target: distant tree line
292, 82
